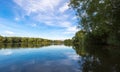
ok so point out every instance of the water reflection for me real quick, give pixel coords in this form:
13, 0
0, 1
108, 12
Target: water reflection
99, 58
59, 58
46, 59
22, 45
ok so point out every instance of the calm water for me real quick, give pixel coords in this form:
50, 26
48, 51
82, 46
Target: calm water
58, 58
45, 59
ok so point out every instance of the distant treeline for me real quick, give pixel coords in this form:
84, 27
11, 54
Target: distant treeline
26, 40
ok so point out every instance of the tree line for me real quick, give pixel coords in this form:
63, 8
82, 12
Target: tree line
26, 40
23, 40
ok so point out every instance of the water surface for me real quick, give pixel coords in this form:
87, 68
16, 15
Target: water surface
44, 59
59, 58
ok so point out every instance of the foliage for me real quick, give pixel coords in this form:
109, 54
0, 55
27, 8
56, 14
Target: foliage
57, 42
68, 42
79, 37
27, 41
99, 18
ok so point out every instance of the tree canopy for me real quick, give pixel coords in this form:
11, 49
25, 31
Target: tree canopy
100, 18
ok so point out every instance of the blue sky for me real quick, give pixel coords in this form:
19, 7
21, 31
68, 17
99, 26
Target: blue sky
51, 19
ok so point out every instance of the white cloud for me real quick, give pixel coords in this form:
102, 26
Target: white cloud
35, 6
9, 32
64, 8
45, 11
48, 12
69, 28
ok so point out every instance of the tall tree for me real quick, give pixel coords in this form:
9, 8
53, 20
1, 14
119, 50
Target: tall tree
99, 17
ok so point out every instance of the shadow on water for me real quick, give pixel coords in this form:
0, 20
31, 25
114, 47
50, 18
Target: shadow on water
97, 58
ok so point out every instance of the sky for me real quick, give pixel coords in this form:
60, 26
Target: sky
49, 19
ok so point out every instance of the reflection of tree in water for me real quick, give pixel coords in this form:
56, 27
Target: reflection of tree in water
99, 59
22, 45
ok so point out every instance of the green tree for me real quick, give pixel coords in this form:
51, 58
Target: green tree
27, 42
68, 42
1, 39
100, 18
79, 37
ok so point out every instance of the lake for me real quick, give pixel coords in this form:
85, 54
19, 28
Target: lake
59, 58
